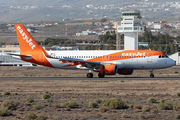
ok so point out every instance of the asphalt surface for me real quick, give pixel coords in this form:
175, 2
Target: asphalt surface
84, 78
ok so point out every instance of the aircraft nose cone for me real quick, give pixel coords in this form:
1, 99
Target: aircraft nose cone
172, 62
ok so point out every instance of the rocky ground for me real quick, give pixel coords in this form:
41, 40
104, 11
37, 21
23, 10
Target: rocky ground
130, 93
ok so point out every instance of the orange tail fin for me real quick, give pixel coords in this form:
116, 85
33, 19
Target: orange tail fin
26, 41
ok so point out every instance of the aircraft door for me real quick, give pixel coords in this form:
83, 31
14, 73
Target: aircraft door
149, 57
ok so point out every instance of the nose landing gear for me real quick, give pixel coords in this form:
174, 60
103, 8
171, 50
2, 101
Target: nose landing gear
89, 75
151, 73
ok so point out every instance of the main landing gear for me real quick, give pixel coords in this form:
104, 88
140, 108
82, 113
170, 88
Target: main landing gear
89, 75
101, 75
151, 73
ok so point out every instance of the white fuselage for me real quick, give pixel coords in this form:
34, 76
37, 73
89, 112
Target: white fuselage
151, 62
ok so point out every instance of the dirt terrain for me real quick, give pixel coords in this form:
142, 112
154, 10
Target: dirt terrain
132, 93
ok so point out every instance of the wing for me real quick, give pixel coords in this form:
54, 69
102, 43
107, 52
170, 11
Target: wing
74, 61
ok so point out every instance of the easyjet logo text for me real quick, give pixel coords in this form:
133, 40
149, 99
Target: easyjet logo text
26, 38
134, 54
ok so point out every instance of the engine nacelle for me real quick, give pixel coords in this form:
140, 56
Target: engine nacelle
108, 69
125, 71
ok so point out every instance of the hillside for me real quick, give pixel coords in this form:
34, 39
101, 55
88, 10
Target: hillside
43, 10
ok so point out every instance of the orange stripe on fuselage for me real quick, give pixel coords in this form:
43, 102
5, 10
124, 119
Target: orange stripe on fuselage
127, 54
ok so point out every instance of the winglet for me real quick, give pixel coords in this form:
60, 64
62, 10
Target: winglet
26, 41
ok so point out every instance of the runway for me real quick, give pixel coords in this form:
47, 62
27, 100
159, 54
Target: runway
84, 78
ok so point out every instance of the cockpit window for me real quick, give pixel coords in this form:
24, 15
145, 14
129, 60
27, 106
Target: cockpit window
163, 56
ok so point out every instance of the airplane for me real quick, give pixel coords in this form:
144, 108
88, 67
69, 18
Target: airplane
106, 62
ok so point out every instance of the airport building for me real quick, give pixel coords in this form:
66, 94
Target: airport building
130, 26
8, 60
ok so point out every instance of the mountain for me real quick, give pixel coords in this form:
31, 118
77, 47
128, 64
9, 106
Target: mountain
38, 10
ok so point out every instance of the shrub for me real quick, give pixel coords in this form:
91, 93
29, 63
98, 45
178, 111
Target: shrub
107, 102
117, 105
178, 94
42, 117
118, 99
29, 100
71, 104
46, 96
176, 72
4, 111
142, 116
49, 100
131, 106
37, 107
6, 93
149, 116
177, 116
15, 93
165, 106
162, 101
176, 106
30, 116
151, 100
137, 107
9, 104
98, 100
93, 104
146, 109
103, 109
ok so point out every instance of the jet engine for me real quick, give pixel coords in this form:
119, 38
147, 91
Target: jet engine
125, 71
108, 69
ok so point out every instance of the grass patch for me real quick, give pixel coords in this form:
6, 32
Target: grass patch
145, 109
151, 100
177, 116
103, 109
71, 104
4, 112
42, 117
178, 94
176, 106
93, 104
45, 96
37, 107
162, 101
117, 105
9, 104
30, 116
98, 101
165, 106
6, 93
29, 100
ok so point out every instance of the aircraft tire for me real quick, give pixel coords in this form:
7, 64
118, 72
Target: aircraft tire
89, 75
152, 76
101, 75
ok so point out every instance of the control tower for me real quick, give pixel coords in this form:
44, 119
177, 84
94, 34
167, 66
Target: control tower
130, 26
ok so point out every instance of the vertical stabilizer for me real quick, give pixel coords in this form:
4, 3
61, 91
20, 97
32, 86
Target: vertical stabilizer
26, 41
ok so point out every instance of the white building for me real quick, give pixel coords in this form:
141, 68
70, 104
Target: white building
130, 27
157, 26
